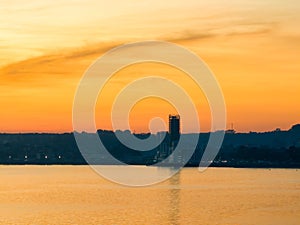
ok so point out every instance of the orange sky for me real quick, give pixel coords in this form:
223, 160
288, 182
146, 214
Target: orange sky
253, 48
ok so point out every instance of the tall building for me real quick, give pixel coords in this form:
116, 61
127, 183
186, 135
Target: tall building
174, 127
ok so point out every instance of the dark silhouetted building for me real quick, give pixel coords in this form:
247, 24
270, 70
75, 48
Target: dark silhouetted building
174, 127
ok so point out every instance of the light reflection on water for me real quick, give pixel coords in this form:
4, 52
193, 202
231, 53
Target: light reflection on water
174, 199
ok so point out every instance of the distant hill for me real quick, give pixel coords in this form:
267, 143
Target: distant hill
267, 149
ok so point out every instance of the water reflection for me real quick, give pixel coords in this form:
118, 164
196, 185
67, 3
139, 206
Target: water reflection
174, 209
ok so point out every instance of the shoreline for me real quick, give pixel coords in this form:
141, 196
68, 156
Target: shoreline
167, 166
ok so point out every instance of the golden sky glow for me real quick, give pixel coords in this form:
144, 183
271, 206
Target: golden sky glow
253, 48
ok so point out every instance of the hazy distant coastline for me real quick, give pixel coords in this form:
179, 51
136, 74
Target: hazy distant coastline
274, 149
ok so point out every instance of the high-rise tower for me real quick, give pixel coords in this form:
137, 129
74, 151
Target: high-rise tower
174, 127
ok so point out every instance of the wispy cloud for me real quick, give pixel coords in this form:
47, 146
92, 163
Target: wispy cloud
234, 29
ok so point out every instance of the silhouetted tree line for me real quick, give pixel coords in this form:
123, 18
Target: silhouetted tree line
268, 149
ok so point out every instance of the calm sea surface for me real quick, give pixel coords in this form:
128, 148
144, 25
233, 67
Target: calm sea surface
77, 195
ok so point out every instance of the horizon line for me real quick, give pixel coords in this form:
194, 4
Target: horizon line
132, 132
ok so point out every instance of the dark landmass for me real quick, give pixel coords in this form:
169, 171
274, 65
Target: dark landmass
275, 149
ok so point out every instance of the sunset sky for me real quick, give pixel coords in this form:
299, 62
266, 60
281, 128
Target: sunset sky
252, 47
